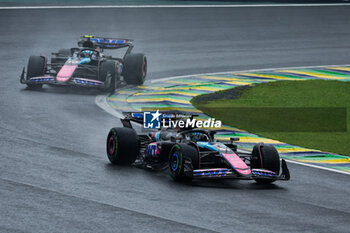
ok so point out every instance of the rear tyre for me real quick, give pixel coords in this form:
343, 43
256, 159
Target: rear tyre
135, 68
108, 68
265, 157
122, 146
183, 159
36, 67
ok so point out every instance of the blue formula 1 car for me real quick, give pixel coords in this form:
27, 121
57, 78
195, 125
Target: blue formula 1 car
193, 154
88, 66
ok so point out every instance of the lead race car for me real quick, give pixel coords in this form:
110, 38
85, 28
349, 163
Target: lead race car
88, 66
192, 153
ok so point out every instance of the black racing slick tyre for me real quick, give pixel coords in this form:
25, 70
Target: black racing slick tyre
183, 159
135, 68
108, 68
36, 67
122, 146
265, 157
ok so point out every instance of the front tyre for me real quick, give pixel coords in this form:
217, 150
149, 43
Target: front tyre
183, 159
36, 67
135, 68
265, 157
122, 146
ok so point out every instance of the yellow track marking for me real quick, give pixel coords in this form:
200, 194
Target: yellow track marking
333, 161
219, 78
257, 140
311, 74
266, 76
116, 98
296, 149
167, 92
150, 100
338, 68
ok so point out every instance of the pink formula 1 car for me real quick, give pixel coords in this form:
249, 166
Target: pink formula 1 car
88, 66
193, 154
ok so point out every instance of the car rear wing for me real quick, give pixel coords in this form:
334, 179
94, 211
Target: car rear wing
105, 42
129, 117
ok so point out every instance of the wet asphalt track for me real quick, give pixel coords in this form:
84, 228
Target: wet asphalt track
54, 174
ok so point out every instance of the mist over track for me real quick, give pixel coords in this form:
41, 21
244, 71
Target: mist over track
54, 173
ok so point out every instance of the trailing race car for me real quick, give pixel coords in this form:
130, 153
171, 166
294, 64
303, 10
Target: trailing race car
87, 66
192, 153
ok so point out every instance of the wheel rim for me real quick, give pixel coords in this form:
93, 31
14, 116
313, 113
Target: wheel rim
144, 68
111, 145
174, 162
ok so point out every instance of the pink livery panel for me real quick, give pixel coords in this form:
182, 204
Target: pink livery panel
237, 163
66, 72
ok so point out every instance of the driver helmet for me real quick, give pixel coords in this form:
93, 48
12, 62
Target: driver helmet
198, 137
86, 53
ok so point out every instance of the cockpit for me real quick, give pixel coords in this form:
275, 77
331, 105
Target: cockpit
190, 135
89, 53
197, 136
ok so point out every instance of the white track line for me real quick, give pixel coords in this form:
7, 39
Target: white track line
101, 101
316, 166
168, 6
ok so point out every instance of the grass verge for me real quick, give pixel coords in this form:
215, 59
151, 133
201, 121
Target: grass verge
310, 113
